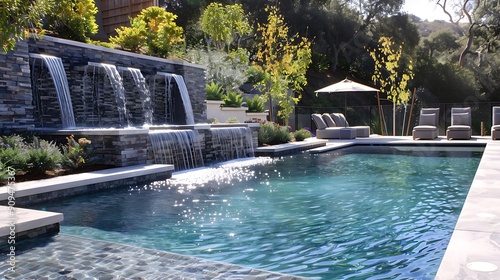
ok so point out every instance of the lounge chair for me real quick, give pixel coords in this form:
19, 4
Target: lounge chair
341, 121
325, 132
495, 124
460, 127
428, 122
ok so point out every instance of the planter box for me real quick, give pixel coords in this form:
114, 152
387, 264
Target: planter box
214, 110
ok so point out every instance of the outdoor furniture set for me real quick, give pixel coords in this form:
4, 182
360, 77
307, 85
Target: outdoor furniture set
335, 125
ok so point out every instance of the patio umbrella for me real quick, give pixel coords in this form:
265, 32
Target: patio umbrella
346, 86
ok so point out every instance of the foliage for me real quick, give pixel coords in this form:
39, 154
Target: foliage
13, 157
155, 28
302, 134
20, 18
214, 91
4, 172
390, 73
223, 23
232, 120
284, 60
440, 41
77, 153
233, 99
42, 156
130, 38
255, 104
73, 19
271, 133
226, 68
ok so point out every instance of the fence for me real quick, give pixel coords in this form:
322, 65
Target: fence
405, 120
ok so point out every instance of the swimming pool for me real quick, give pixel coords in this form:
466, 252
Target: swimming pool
361, 212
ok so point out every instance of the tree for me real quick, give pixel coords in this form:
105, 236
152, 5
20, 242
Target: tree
153, 27
284, 60
73, 19
391, 74
18, 19
480, 17
222, 24
440, 40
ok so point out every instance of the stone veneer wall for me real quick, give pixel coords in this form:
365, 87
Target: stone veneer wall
15, 79
16, 109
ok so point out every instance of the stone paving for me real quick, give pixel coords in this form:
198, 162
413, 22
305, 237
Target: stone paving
68, 257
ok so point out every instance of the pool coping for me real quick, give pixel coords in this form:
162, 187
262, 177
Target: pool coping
473, 250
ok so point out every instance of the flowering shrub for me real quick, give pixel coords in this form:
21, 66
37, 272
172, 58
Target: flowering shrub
77, 153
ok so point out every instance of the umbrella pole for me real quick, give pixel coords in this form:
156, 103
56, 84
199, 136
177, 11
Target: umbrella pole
380, 113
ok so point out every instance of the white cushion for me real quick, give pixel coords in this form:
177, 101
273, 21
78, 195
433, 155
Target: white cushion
318, 120
328, 120
460, 119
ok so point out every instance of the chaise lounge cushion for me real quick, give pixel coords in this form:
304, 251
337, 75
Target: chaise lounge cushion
318, 120
460, 119
328, 120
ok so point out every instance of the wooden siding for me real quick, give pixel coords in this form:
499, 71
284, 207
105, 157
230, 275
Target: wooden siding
117, 13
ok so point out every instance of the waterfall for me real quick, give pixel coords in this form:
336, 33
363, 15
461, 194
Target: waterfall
181, 148
117, 84
56, 69
144, 94
232, 142
181, 85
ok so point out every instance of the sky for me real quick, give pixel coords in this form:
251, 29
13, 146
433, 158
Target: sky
424, 9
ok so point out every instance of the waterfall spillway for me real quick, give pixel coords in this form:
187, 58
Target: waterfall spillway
56, 69
181, 148
184, 94
117, 84
104, 101
144, 95
232, 142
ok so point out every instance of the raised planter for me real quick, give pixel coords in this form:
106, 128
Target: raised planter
214, 110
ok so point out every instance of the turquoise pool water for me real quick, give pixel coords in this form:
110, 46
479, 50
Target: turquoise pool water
358, 213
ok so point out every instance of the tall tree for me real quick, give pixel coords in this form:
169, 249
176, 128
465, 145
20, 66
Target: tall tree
18, 19
284, 59
224, 24
391, 74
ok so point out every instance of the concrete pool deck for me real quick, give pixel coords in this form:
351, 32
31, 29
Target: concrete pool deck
474, 248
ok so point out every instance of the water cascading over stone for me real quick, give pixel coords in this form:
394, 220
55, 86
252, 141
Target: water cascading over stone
232, 142
181, 148
171, 95
139, 104
43, 94
104, 101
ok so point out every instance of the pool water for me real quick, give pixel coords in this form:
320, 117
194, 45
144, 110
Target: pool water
357, 213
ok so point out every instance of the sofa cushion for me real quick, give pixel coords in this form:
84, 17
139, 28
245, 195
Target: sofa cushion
460, 119
427, 119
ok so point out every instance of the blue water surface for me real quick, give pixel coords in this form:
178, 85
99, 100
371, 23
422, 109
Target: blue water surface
358, 213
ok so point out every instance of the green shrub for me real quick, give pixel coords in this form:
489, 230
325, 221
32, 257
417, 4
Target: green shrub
302, 134
273, 134
73, 19
42, 156
215, 91
233, 99
39, 161
13, 141
14, 157
255, 105
4, 172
